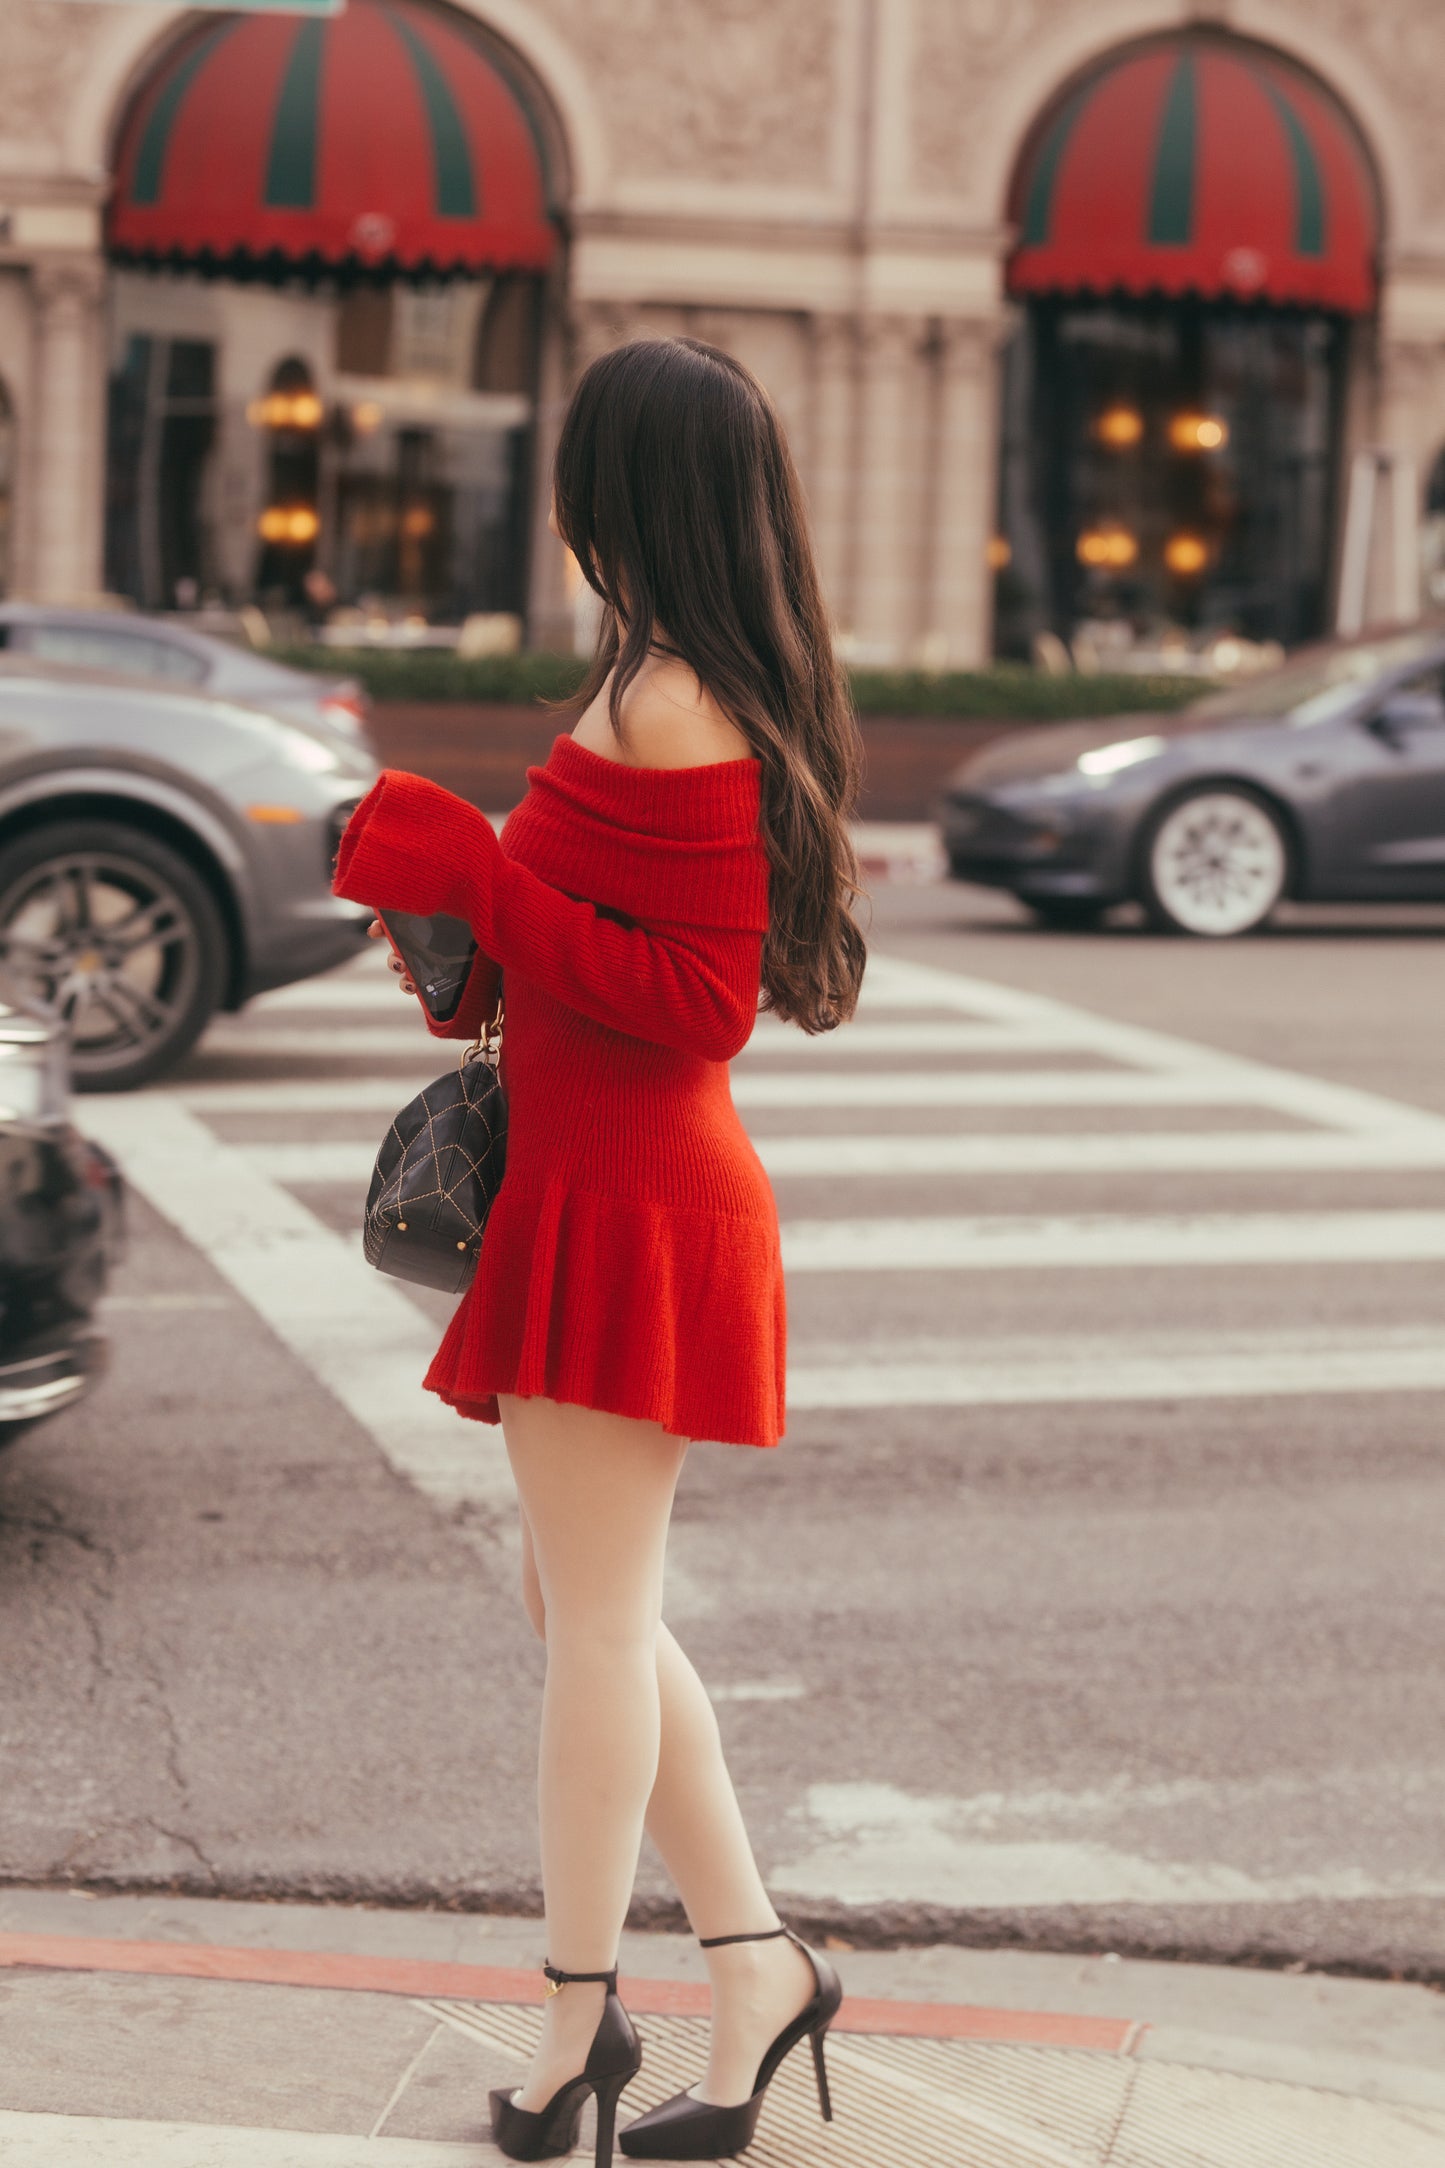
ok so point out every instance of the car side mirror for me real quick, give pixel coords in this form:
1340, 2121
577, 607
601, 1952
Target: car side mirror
1404, 713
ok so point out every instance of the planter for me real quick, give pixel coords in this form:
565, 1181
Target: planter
482, 750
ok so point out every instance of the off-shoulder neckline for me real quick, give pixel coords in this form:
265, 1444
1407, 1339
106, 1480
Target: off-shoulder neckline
631, 767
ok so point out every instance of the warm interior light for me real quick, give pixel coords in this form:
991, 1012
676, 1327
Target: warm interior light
1110, 546
367, 417
999, 552
286, 410
1119, 426
417, 520
293, 523
1198, 433
1186, 554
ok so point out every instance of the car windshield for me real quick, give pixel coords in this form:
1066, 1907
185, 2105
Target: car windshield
1320, 683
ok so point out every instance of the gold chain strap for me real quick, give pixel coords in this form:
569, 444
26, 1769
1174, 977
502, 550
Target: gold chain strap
487, 1045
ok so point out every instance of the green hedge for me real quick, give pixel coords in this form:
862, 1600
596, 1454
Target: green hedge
1007, 690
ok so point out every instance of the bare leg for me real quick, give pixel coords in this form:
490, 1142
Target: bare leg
694, 1819
597, 1493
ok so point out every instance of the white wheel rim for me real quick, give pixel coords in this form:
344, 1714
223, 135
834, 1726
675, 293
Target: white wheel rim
1218, 863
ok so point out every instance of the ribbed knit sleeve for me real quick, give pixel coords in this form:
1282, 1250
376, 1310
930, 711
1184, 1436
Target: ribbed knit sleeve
412, 846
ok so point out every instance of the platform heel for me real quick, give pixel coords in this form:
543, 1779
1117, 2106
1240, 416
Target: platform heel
682, 2128
613, 2060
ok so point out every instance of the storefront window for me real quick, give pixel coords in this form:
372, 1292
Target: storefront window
1167, 474
354, 218
162, 430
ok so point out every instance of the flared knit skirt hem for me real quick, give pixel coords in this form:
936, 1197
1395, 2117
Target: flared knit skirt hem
662, 1313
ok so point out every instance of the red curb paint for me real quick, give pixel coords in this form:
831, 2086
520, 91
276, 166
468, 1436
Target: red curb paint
500, 1983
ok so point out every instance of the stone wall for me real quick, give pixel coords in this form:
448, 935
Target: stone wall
817, 184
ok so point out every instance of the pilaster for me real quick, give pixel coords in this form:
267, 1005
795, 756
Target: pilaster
68, 463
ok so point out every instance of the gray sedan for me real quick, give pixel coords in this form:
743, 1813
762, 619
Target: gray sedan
163, 853
1323, 780
124, 644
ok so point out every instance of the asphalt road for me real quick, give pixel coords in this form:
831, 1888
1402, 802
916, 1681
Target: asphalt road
1093, 1600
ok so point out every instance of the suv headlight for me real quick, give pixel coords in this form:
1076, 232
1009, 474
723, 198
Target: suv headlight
1109, 759
33, 1079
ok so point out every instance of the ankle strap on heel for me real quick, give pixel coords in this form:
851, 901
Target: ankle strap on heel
559, 1978
764, 1934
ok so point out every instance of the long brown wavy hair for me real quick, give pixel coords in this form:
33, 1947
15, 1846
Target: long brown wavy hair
677, 495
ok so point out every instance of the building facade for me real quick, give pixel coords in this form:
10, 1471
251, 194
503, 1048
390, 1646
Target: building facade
205, 392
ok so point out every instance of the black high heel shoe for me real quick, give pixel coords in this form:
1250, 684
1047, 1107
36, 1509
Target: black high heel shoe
614, 2057
686, 2129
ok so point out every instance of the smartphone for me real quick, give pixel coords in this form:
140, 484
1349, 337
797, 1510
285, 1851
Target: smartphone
438, 953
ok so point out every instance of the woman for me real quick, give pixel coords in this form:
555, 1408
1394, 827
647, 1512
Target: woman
687, 842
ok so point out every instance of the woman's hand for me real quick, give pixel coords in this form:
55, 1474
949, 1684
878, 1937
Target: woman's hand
377, 932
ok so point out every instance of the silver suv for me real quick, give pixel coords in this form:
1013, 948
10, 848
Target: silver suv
164, 852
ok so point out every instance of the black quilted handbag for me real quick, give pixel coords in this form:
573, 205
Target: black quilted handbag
437, 1172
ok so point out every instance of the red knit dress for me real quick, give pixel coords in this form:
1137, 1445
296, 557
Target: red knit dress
631, 1262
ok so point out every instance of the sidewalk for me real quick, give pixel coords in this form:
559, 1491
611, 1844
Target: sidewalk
150, 2032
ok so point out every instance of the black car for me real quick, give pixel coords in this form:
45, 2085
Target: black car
1323, 781
60, 1229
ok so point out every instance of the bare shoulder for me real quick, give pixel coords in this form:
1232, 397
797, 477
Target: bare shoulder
669, 720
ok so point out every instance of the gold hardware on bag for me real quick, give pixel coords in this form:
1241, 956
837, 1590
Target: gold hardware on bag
487, 1045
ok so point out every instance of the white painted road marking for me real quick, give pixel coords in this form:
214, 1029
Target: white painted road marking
1286, 1091
859, 1042
1211, 1151
792, 1088
368, 1343
1028, 1370
984, 1242
353, 1328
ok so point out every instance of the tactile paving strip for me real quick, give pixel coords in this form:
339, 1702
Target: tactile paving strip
904, 2103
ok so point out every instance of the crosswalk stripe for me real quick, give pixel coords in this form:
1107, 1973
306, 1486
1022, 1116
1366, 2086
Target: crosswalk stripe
355, 1330
1122, 1152
1206, 1086
1024, 1241
1285, 1091
858, 1042
1024, 1371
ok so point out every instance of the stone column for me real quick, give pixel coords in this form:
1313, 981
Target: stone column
67, 469
886, 549
958, 632
832, 457
550, 622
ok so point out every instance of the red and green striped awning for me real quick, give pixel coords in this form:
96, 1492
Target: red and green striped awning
1199, 165
385, 137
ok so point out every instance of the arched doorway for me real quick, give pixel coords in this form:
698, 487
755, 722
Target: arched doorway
1197, 232
337, 237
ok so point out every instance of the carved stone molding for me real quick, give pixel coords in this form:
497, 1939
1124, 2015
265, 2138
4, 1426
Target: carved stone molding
834, 337
967, 53
46, 51
889, 343
713, 90
598, 326
67, 288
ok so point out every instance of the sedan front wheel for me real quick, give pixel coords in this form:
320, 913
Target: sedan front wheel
114, 930
1216, 863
